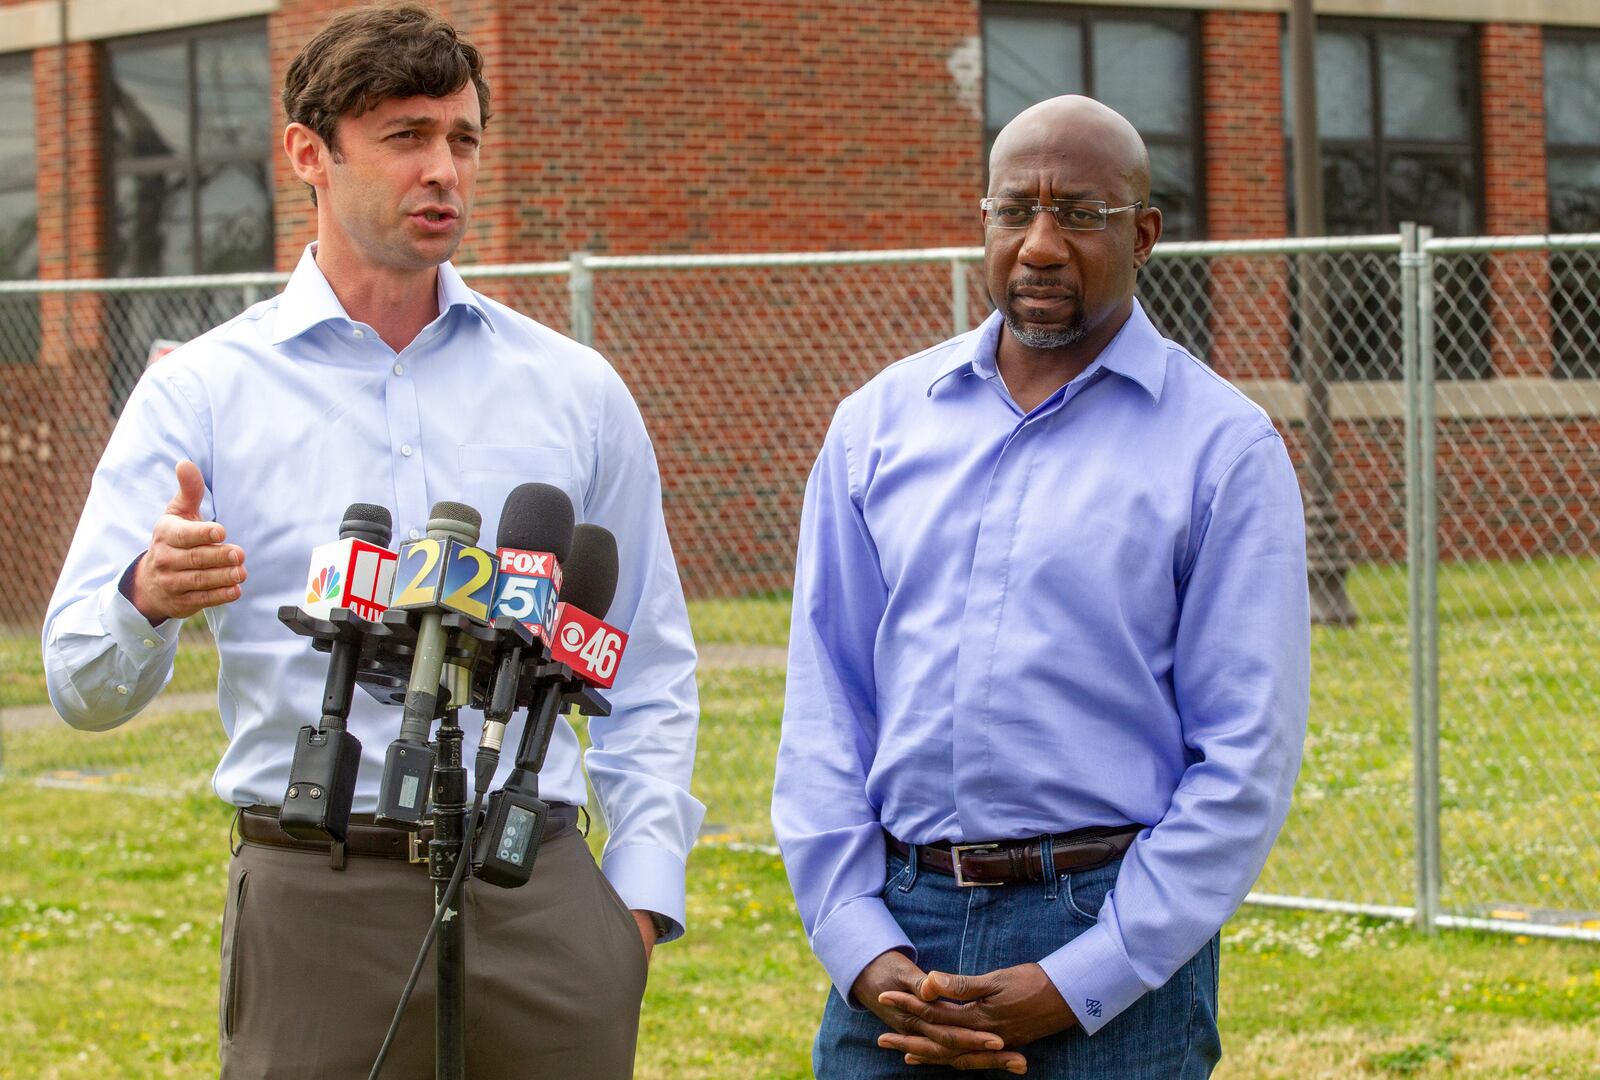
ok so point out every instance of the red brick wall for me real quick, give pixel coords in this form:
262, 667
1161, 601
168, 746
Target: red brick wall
55, 416
714, 125
1244, 154
705, 126
1511, 64
1507, 488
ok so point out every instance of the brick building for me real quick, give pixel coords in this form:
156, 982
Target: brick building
141, 140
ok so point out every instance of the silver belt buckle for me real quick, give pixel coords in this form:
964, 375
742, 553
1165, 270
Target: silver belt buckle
958, 850
415, 851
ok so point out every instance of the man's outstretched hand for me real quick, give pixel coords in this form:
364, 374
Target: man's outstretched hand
187, 567
1019, 1004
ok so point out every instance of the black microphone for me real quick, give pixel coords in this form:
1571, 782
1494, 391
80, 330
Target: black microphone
402, 795
582, 639
514, 821
535, 529
322, 776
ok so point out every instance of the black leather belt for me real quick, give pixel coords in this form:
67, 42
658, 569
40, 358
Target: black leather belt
259, 825
1007, 862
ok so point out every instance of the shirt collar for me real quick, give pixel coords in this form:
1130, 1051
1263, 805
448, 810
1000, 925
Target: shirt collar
1138, 353
308, 300
972, 353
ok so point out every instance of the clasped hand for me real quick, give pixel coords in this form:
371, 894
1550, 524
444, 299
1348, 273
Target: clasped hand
961, 1021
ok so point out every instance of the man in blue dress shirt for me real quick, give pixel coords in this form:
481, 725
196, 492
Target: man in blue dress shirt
378, 376
1049, 665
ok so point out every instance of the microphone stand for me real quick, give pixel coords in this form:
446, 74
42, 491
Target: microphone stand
450, 844
444, 850
472, 657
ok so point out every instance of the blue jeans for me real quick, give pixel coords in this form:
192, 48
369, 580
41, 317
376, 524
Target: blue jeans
1169, 1034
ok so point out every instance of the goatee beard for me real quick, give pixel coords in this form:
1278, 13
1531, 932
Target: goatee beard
1038, 337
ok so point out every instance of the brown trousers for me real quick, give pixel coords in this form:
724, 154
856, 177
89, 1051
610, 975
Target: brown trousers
314, 959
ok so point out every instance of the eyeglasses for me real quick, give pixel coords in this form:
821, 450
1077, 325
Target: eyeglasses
1078, 215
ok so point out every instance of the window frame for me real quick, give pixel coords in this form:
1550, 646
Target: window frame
1185, 20
1552, 149
1380, 146
23, 61
192, 162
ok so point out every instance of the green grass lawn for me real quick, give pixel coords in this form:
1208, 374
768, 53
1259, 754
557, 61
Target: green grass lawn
110, 903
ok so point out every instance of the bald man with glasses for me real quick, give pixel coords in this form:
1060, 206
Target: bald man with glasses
1049, 665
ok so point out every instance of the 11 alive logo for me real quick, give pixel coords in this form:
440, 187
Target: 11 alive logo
349, 574
525, 589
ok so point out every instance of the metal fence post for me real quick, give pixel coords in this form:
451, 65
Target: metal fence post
1428, 458
958, 297
580, 285
1417, 322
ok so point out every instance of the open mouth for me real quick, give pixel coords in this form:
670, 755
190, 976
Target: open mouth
434, 216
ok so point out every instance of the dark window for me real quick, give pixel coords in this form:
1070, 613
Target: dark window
190, 146
1572, 130
1145, 65
1398, 124
19, 210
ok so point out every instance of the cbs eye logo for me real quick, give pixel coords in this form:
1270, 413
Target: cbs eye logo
572, 636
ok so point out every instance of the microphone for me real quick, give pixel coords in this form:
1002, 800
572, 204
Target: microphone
535, 538
441, 573
354, 572
514, 821
582, 641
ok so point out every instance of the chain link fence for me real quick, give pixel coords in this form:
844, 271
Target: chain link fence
1439, 398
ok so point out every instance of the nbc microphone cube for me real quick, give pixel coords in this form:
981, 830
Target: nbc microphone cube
526, 589
349, 574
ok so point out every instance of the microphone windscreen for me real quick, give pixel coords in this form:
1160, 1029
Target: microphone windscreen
537, 517
366, 521
456, 519
589, 577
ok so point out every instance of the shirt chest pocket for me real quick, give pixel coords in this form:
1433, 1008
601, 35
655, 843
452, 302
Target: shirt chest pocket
489, 471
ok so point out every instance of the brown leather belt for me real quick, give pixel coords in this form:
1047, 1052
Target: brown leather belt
1007, 862
259, 825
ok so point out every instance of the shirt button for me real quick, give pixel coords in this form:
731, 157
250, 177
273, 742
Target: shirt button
122, 688
399, 369
405, 451
149, 643
415, 534
358, 332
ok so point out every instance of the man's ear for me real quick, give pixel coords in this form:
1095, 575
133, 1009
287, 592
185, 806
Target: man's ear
308, 155
1146, 231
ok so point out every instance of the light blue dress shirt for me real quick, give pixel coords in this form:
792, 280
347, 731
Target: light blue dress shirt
1007, 625
293, 411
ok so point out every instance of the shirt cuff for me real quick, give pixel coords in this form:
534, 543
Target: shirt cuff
648, 879
854, 936
1093, 976
127, 626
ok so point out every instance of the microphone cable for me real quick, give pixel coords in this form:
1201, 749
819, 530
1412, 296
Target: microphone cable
483, 775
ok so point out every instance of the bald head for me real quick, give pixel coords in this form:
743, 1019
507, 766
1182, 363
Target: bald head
1080, 130
1065, 286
